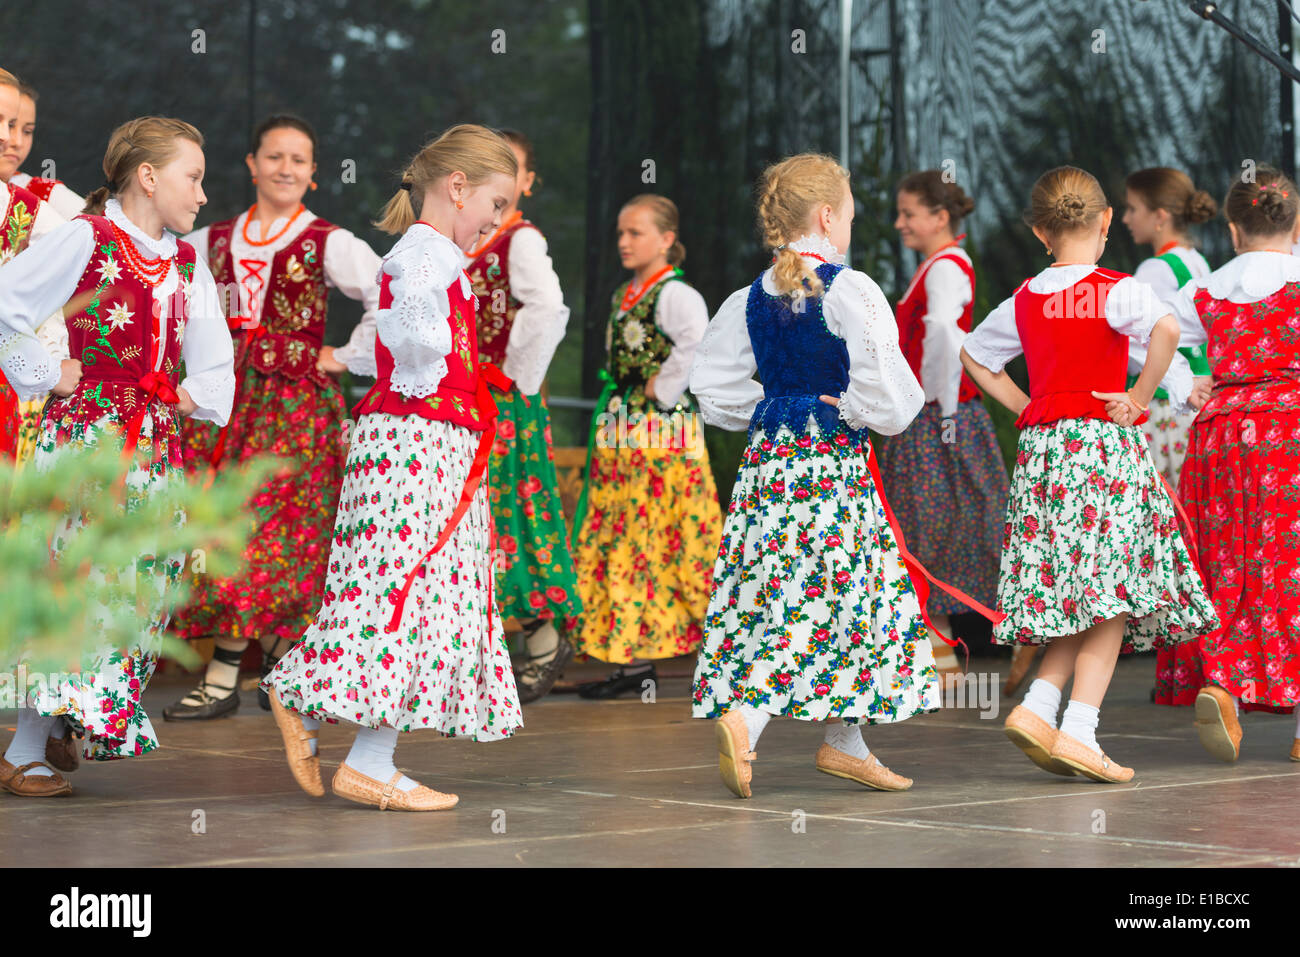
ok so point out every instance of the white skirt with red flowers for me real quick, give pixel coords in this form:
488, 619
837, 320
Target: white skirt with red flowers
1091, 533
447, 666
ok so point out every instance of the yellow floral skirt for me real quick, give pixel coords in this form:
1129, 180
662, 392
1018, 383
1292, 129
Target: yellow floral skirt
645, 552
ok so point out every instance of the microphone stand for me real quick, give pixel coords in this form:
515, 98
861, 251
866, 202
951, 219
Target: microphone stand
1209, 11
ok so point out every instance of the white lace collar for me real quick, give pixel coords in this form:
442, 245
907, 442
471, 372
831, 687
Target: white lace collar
1250, 277
819, 245
165, 247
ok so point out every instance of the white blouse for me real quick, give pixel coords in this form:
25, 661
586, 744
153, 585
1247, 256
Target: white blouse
1157, 274
683, 315
542, 315
947, 293
416, 329
44, 277
62, 200
350, 266
53, 333
1132, 309
1248, 277
882, 393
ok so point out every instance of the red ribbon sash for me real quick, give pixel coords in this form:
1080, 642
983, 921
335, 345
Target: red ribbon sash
155, 386
488, 375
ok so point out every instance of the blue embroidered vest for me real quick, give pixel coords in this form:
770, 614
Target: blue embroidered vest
798, 359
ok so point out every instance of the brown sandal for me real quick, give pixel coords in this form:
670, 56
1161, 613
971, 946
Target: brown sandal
304, 765
18, 781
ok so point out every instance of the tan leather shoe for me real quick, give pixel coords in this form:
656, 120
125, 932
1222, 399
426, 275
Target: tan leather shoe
18, 781
734, 755
1217, 724
1034, 736
355, 786
1295, 750
868, 771
304, 765
1022, 659
63, 753
1091, 764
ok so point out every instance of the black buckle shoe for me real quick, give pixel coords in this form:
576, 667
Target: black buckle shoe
206, 708
535, 679
616, 684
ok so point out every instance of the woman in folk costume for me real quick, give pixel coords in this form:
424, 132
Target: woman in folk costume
283, 259
1093, 563
23, 218
145, 303
53, 191
813, 614
521, 319
1161, 205
408, 635
944, 475
1242, 468
647, 525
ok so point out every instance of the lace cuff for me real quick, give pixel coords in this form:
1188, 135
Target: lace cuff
415, 328
214, 394
30, 369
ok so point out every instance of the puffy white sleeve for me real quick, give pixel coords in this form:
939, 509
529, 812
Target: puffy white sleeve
207, 350
65, 202
683, 316
722, 376
947, 291
1190, 327
47, 220
417, 328
33, 285
352, 267
1133, 309
539, 324
996, 340
199, 240
883, 394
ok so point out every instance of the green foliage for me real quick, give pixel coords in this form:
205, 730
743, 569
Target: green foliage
104, 581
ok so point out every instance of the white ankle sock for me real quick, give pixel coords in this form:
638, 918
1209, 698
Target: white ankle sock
847, 738
29, 739
221, 677
1080, 723
1044, 700
312, 724
755, 722
543, 643
59, 730
372, 755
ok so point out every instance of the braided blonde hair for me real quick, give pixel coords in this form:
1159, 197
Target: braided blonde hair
788, 192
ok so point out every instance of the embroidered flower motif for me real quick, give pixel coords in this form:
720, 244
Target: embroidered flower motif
109, 270
119, 317
633, 335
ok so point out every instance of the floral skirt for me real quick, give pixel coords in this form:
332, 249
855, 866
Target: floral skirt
447, 666
813, 614
1166, 432
1241, 488
102, 702
278, 590
537, 580
29, 429
646, 549
947, 485
1091, 533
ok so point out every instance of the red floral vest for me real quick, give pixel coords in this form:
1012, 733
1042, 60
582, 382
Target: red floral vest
15, 231
457, 398
1070, 349
288, 338
910, 316
1254, 352
118, 331
41, 187
489, 277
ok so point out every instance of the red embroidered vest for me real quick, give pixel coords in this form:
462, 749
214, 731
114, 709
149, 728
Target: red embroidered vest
1254, 352
41, 187
1070, 349
119, 330
489, 278
457, 397
288, 338
910, 316
15, 231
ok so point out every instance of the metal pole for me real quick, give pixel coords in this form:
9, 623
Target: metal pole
846, 41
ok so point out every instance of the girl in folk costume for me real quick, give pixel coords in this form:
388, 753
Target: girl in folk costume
283, 259
944, 474
1240, 475
23, 218
53, 191
647, 525
521, 319
1093, 562
1160, 206
813, 614
408, 635
144, 303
